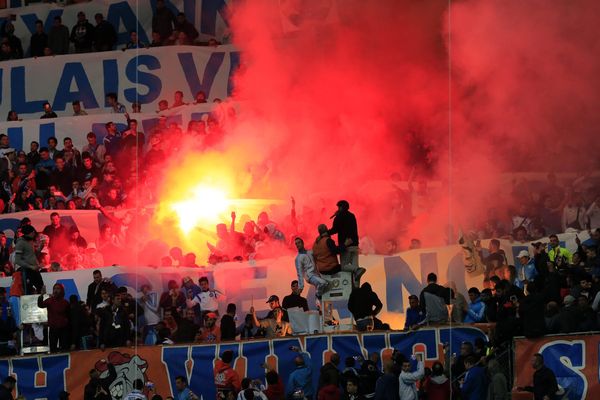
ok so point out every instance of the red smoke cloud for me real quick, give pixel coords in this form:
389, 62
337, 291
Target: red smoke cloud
337, 97
332, 109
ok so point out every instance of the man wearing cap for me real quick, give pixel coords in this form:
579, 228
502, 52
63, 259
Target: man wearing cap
210, 332
274, 326
345, 226
273, 302
525, 268
305, 266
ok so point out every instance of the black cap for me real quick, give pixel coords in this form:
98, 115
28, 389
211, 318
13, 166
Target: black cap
273, 297
122, 289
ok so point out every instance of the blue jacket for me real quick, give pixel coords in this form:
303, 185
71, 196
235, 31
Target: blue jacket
184, 395
476, 312
301, 378
414, 317
525, 272
475, 384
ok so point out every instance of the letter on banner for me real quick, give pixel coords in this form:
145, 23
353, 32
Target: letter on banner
74, 71
152, 82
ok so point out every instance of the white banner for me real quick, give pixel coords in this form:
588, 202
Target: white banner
393, 278
22, 133
124, 15
145, 75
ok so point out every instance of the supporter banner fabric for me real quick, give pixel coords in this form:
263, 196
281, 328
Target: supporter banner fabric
45, 376
574, 359
145, 75
21, 133
124, 15
393, 278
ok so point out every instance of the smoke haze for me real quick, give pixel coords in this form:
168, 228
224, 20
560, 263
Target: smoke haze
348, 101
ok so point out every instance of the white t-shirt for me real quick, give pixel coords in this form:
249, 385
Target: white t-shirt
208, 301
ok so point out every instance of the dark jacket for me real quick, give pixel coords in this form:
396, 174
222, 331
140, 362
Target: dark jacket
162, 22
114, 327
345, 226
105, 36
569, 318
544, 384
94, 293
368, 376
188, 28
58, 311
58, 39
186, 330
387, 387
228, 328
364, 302
82, 36
294, 300
329, 375
531, 310
92, 386
81, 323
5, 394
38, 42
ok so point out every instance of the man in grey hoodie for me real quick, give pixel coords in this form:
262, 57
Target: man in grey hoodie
26, 261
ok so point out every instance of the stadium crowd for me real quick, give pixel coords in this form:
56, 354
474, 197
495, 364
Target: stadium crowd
550, 290
168, 28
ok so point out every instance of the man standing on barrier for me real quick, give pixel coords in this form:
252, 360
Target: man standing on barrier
345, 226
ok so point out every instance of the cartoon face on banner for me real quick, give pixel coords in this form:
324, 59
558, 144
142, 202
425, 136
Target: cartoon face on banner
128, 370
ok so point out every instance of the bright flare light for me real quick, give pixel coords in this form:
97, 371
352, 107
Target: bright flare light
205, 206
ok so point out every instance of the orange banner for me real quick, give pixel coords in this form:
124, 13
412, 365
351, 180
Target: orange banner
573, 358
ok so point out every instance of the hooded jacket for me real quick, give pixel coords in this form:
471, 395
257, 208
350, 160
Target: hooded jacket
58, 309
476, 312
226, 378
437, 387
